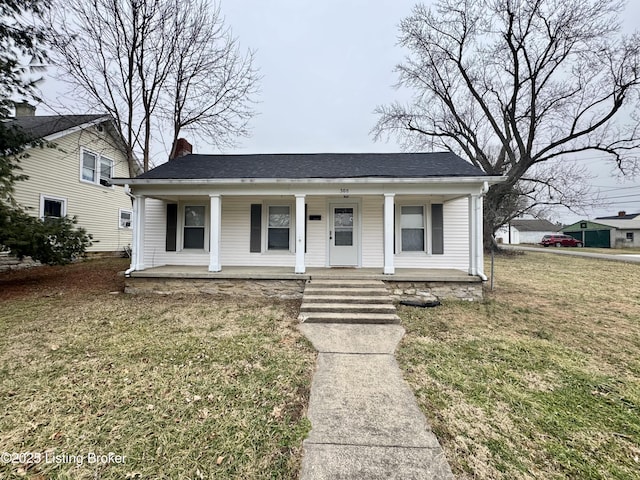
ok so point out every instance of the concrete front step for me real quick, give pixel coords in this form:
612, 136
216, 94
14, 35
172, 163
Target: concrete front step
347, 283
328, 317
369, 291
365, 299
347, 301
347, 308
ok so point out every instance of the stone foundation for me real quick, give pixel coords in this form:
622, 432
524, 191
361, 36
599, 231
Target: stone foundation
293, 289
283, 289
431, 291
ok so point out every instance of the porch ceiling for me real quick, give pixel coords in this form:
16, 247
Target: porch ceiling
286, 273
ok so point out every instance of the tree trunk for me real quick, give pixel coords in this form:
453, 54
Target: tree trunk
498, 208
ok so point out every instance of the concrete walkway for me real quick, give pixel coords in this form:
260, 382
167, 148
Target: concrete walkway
365, 421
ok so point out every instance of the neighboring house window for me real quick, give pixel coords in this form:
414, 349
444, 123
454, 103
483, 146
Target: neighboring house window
96, 169
630, 236
412, 231
194, 223
52, 206
278, 228
125, 218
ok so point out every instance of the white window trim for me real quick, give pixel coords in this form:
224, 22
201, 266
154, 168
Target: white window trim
180, 229
44, 197
265, 228
120, 212
426, 209
99, 159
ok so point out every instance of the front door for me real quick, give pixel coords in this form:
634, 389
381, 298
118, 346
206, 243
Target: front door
343, 236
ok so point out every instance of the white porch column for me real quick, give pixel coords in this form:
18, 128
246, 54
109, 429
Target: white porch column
215, 231
471, 219
300, 234
137, 253
479, 237
389, 230
472, 235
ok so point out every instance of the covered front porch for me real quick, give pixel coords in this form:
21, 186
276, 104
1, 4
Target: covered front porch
397, 234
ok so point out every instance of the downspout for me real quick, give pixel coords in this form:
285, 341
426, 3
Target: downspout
483, 192
127, 190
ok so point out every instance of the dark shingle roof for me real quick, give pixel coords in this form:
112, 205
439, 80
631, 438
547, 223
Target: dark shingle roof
628, 216
42, 126
315, 165
535, 225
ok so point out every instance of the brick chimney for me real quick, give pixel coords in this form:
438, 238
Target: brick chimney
181, 149
24, 109
622, 213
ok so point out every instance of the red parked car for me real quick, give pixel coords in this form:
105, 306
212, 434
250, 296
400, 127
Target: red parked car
560, 241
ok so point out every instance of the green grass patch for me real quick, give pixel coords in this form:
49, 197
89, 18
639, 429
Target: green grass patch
541, 379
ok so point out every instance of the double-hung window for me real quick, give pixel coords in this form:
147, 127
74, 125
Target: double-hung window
52, 206
96, 169
194, 224
412, 228
278, 227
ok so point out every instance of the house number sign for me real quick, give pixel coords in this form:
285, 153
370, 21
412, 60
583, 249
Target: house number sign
344, 192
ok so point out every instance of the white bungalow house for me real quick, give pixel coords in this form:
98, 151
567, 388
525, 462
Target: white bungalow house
71, 174
382, 213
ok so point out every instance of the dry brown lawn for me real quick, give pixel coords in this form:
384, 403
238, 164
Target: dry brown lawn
189, 387
541, 380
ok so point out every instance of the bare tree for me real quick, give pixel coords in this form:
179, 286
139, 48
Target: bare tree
211, 82
517, 87
150, 63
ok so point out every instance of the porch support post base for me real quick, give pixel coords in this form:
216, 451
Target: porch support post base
389, 231
215, 233
300, 234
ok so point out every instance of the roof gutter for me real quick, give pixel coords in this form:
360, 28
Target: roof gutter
240, 181
131, 268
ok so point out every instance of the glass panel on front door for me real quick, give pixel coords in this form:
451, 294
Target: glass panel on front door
343, 226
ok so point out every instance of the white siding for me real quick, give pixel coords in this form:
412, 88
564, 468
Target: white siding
56, 172
533, 237
456, 241
236, 219
155, 235
372, 231
236, 229
316, 232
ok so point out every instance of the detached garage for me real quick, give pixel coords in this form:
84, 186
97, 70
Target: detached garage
620, 231
591, 234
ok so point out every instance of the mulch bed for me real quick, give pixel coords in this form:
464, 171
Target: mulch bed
99, 275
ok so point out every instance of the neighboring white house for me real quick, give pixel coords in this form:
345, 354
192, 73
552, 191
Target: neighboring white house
379, 211
523, 230
72, 174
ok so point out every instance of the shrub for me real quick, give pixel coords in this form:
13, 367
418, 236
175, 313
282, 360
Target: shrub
53, 241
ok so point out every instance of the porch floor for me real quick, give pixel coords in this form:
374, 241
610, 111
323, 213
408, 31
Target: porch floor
286, 273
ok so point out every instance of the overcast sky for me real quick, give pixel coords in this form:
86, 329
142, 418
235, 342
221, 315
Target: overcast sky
326, 65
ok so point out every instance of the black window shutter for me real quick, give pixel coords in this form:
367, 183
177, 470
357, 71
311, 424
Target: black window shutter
172, 227
256, 228
437, 229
